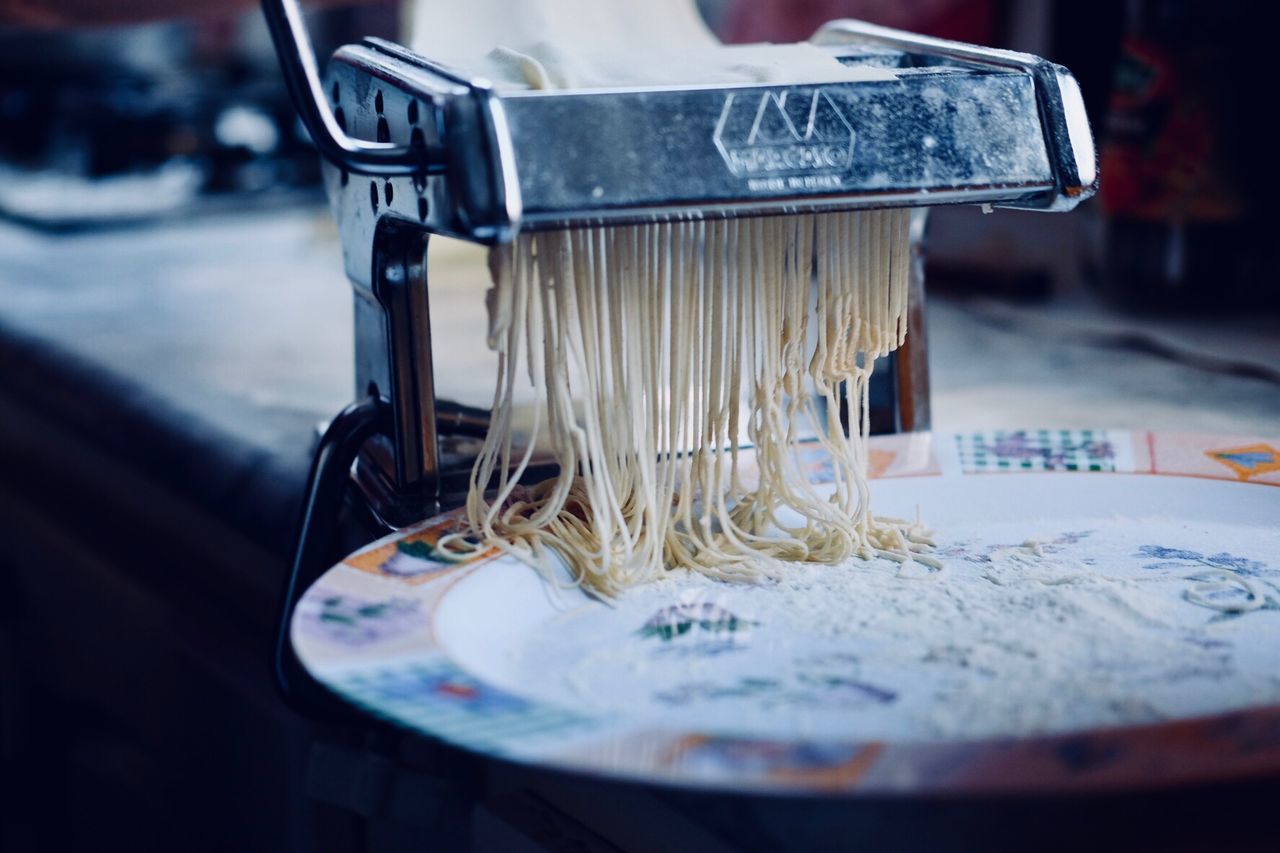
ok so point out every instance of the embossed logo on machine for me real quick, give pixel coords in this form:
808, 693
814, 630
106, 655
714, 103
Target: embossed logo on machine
788, 139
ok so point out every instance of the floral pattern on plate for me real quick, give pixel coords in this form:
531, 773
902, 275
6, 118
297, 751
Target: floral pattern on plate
416, 557
811, 763
355, 621
1044, 450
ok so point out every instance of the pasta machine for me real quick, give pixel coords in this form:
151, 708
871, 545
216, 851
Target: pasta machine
413, 148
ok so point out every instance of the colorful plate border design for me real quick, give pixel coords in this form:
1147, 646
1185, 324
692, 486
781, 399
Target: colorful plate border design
364, 631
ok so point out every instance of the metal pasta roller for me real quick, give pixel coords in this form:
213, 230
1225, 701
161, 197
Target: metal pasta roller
414, 148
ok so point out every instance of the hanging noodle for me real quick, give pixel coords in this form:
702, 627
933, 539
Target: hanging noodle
676, 340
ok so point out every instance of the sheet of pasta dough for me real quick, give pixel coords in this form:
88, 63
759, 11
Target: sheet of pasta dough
576, 44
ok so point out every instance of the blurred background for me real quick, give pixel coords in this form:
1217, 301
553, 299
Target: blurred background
174, 322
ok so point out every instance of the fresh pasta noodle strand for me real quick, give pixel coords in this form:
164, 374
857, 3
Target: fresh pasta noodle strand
655, 350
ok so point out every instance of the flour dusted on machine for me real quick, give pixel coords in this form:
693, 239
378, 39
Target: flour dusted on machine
579, 44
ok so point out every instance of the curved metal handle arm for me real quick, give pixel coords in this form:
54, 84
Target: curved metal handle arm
302, 76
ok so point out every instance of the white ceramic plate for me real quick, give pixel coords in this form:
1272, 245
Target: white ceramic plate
1089, 631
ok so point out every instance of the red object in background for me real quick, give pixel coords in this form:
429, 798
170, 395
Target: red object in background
1161, 157
1177, 162
795, 20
